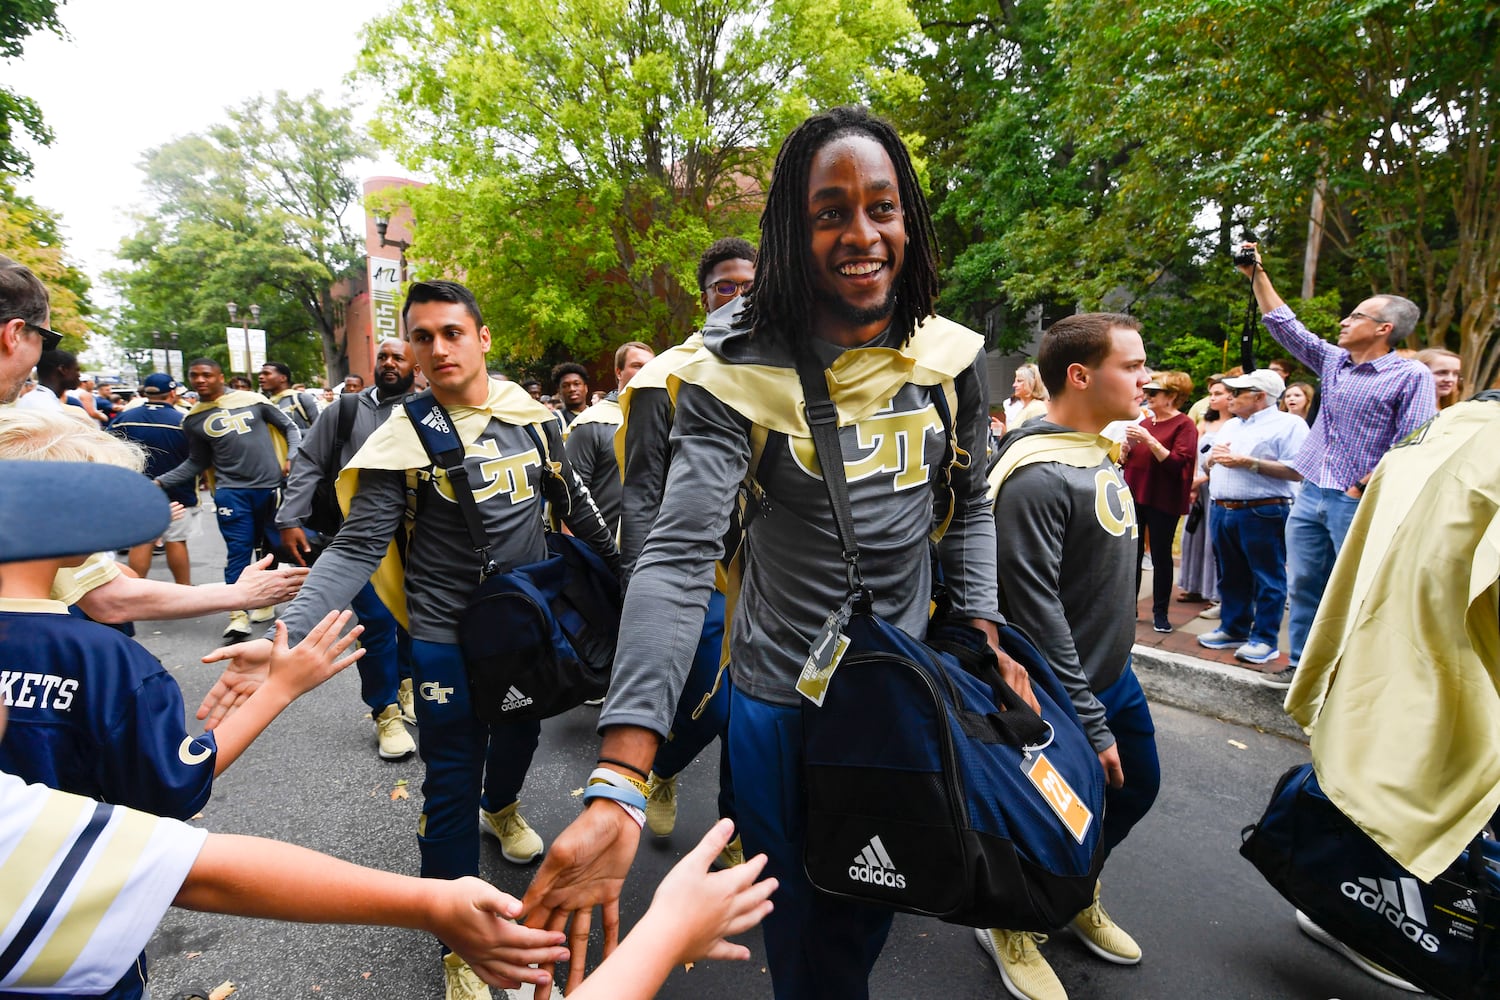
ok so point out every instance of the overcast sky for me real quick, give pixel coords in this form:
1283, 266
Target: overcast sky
137, 73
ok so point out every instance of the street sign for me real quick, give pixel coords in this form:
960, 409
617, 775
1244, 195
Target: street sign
385, 290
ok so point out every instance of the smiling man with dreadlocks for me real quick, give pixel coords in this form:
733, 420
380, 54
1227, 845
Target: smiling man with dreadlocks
847, 276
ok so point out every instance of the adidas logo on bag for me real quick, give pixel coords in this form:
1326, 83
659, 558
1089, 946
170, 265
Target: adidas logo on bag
874, 865
435, 420
1467, 905
514, 699
1398, 902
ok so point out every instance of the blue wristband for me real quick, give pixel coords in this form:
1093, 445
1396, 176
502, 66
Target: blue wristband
626, 796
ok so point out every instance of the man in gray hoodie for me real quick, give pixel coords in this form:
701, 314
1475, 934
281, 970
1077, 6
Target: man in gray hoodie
1067, 575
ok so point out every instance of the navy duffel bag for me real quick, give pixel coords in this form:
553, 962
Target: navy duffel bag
1440, 935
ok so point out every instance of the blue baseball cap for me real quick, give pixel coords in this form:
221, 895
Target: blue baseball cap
158, 384
41, 519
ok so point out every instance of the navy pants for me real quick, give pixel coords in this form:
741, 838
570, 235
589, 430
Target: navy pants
246, 521
689, 736
817, 947
387, 658
1250, 547
1129, 719
469, 764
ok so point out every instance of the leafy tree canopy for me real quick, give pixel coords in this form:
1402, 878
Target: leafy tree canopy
18, 113
30, 234
253, 211
589, 150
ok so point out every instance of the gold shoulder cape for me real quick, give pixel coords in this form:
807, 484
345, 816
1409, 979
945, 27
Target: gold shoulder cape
653, 375
606, 411
860, 381
242, 397
395, 447
1074, 448
1399, 684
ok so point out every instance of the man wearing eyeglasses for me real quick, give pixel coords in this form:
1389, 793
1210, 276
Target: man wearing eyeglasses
1370, 398
24, 315
1251, 480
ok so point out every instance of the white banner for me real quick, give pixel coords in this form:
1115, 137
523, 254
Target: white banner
159, 360
174, 365
257, 349
239, 348
385, 292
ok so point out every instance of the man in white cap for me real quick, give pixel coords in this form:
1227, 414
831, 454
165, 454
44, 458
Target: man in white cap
1251, 480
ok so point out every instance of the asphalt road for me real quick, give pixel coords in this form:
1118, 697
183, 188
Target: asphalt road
1209, 925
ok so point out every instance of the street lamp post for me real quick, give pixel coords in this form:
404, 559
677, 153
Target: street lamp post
254, 316
382, 223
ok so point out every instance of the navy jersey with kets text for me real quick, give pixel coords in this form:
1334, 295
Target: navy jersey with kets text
93, 713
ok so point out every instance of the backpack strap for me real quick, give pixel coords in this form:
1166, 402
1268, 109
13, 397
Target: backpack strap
435, 430
342, 432
823, 423
554, 487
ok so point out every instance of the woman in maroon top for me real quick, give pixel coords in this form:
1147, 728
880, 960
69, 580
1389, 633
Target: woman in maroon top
1159, 471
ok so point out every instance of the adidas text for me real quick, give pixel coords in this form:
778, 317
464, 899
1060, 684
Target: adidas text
513, 700
435, 420
874, 866
1382, 899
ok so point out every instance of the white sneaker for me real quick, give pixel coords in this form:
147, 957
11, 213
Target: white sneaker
1024, 972
519, 843
238, 629
1366, 966
262, 615
406, 698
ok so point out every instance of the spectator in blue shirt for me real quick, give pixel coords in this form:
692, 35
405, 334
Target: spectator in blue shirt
156, 425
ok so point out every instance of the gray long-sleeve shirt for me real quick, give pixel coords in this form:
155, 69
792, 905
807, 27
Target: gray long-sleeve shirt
313, 458
235, 441
442, 568
644, 478
1067, 571
793, 571
591, 451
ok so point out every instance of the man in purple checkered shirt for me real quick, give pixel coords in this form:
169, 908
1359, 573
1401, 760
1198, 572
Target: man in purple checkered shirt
1369, 399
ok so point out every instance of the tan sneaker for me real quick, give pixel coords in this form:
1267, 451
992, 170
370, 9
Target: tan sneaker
406, 698
262, 615
461, 982
395, 741
1023, 970
732, 854
519, 843
661, 805
1103, 936
238, 629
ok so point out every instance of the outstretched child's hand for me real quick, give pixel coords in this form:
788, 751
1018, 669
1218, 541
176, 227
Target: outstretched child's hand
479, 922
694, 909
316, 658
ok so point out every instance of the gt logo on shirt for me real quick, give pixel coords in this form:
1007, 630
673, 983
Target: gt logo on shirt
1113, 505
887, 438
20, 689
222, 423
497, 474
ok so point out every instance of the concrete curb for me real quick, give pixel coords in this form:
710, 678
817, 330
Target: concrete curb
1230, 693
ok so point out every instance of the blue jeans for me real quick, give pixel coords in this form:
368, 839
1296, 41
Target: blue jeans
1315, 534
245, 521
817, 947
1129, 719
463, 756
1250, 547
386, 658
689, 736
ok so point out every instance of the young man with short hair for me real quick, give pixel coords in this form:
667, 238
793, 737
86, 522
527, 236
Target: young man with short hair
248, 443
1067, 574
385, 682
474, 770
572, 383
56, 373
591, 439
847, 274
276, 385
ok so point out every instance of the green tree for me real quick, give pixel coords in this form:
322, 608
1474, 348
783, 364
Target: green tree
30, 234
588, 150
252, 211
1222, 108
18, 19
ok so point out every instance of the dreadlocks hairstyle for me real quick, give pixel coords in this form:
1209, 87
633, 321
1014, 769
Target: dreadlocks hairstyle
782, 300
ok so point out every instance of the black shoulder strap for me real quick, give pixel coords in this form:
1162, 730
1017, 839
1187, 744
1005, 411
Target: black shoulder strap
440, 440
554, 488
344, 430
823, 422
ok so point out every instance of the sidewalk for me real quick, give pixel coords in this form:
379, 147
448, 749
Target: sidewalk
1175, 670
